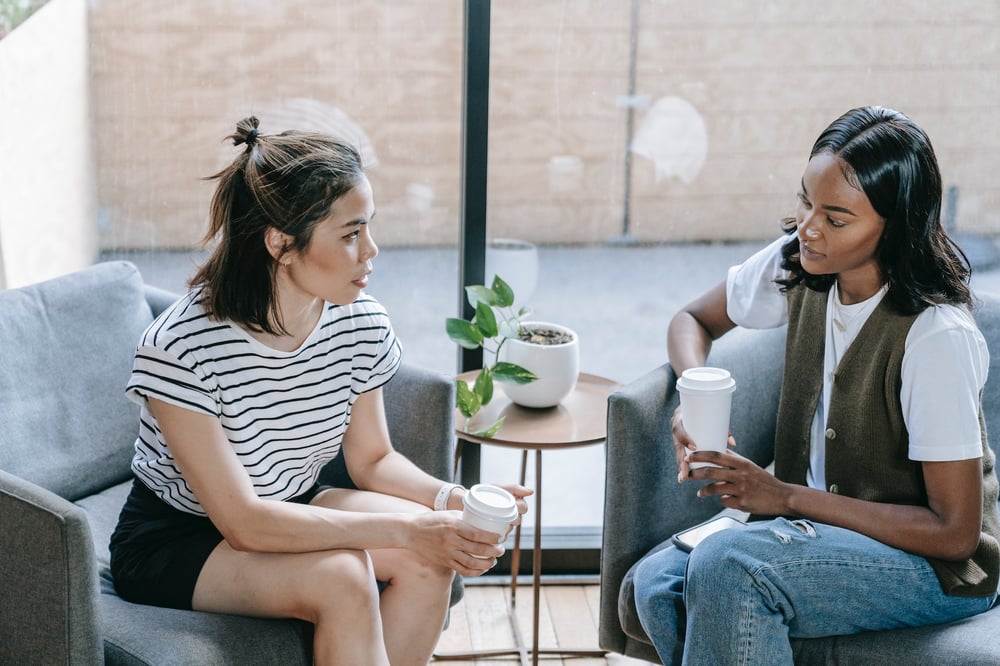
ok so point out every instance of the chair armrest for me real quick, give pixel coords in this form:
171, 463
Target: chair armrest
420, 411
643, 503
48, 595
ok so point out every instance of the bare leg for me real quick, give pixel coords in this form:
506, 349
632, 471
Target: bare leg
335, 590
415, 602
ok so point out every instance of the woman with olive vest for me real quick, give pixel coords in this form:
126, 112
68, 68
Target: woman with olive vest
881, 511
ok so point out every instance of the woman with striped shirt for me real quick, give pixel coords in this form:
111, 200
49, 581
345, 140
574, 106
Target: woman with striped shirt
269, 368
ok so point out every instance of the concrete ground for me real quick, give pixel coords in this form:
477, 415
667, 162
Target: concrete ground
618, 298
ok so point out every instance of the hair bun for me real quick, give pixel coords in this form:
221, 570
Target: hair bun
246, 132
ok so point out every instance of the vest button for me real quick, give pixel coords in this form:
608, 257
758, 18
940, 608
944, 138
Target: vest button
831, 433
834, 488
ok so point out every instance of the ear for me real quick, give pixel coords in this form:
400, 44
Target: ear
277, 242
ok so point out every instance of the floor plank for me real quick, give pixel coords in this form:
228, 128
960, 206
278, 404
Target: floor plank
567, 619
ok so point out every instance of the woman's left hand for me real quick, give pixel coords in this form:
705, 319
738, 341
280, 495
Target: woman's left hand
519, 492
740, 483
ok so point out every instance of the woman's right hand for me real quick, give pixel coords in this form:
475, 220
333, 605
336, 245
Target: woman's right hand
443, 536
682, 444
682, 441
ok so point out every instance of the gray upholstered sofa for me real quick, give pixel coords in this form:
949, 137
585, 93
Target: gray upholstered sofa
66, 434
644, 504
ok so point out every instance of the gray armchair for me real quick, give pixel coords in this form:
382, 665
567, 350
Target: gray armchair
66, 435
644, 504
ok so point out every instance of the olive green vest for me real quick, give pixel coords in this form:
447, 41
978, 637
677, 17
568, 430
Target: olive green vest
866, 438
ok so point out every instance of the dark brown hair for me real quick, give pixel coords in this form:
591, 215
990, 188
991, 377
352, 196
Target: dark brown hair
890, 158
287, 181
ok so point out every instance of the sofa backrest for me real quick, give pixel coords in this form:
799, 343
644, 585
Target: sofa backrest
66, 349
987, 315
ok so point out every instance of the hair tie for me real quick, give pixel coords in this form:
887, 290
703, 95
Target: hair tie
251, 137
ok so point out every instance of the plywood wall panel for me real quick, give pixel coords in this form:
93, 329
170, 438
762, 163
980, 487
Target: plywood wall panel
763, 77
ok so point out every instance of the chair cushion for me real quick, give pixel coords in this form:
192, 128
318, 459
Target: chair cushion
67, 346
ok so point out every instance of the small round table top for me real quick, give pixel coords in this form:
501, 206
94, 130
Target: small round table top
578, 420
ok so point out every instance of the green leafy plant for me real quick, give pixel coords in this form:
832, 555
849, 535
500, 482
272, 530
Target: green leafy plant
494, 323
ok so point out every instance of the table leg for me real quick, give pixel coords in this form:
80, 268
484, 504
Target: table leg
536, 576
515, 556
519, 649
536, 556
536, 580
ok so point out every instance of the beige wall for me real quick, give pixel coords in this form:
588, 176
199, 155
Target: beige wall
48, 195
737, 93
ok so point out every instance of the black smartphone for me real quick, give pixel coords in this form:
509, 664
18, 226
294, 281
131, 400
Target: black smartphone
687, 539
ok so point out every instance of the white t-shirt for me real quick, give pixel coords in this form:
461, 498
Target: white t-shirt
285, 413
945, 361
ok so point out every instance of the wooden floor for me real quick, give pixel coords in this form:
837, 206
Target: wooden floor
567, 618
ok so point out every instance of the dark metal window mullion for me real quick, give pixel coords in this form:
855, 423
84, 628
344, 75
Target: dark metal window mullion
472, 229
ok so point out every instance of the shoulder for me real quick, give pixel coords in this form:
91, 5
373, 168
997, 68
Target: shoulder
947, 334
753, 297
940, 319
183, 325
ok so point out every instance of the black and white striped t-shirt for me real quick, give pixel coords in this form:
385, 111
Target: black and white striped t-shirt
284, 413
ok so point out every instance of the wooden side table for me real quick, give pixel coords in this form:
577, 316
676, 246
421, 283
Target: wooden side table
580, 420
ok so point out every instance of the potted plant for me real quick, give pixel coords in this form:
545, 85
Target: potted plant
549, 351
541, 357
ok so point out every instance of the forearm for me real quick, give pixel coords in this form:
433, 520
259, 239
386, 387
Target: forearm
394, 474
914, 529
688, 343
276, 526
692, 330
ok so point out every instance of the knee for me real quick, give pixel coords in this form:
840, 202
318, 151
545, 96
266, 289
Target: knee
720, 564
659, 579
417, 570
344, 579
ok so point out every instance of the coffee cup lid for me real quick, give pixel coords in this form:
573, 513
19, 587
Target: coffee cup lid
705, 379
491, 501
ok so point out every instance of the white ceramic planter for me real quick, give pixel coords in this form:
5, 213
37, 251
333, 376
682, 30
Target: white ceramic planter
557, 368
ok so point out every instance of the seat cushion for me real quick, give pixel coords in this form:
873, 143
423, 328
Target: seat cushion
141, 635
67, 346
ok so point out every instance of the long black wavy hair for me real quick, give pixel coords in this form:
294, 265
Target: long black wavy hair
890, 158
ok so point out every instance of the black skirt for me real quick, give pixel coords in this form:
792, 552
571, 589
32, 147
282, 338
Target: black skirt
157, 551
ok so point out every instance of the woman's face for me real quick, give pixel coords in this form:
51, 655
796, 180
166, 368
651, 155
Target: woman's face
336, 264
838, 229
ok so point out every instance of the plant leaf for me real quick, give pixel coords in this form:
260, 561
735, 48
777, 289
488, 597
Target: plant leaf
464, 333
477, 294
504, 294
484, 386
492, 430
511, 372
465, 399
508, 328
486, 321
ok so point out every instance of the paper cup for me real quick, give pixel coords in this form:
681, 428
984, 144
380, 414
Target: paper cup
490, 508
706, 399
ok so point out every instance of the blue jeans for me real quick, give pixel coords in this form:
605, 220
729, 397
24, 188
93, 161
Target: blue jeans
743, 593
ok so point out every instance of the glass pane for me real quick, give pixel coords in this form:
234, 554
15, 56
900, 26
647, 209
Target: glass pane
171, 80
642, 145
643, 173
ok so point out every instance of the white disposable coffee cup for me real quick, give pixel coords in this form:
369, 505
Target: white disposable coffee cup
490, 508
706, 399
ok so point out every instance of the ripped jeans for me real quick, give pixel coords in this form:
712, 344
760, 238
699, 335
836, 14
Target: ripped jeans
743, 593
